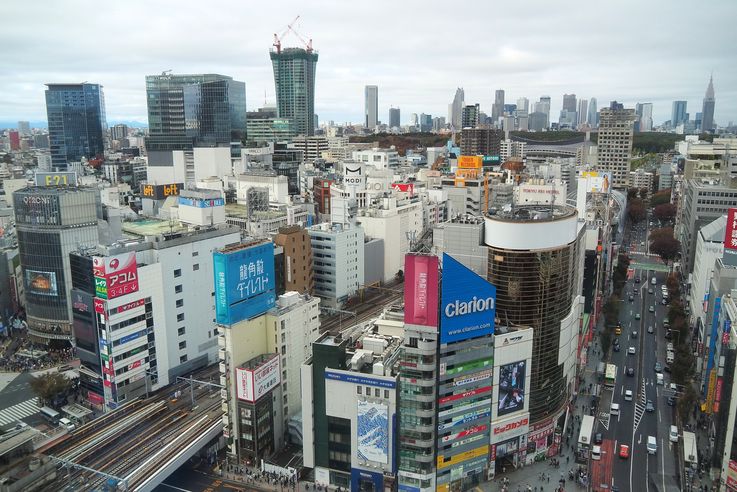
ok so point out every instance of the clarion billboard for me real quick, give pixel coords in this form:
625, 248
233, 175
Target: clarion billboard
468, 303
421, 290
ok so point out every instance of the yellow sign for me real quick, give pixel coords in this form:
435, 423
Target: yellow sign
465, 456
470, 162
712, 391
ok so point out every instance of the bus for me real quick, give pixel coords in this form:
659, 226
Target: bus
584, 438
51, 415
610, 379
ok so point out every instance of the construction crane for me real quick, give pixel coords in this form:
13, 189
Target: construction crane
290, 28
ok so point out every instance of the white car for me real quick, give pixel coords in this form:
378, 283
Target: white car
628, 395
631, 350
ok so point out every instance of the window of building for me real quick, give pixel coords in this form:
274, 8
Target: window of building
180, 303
181, 331
377, 392
196, 267
178, 272
386, 394
183, 359
182, 345
358, 389
178, 289
195, 253
180, 317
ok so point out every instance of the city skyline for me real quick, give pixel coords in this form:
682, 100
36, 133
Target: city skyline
418, 75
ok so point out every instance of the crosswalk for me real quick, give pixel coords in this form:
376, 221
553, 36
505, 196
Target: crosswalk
18, 411
640, 406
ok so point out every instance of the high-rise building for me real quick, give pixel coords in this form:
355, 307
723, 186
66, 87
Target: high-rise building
371, 106
569, 102
294, 79
394, 118
298, 274
14, 138
536, 263
616, 129
593, 118
470, 116
644, 112
337, 252
583, 112
523, 104
543, 106
456, 109
568, 113
264, 126
24, 128
481, 141
119, 132
707, 112
679, 114
497, 109
425, 122
77, 123
51, 222
187, 111
537, 121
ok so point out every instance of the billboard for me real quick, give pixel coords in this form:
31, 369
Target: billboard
421, 290
41, 283
468, 303
160, 192
730, 238
470, 162
201, 202
252, 384
597, 182
404, 187
244, 282
115, 276
373, 431
56, 179
511, 428
512, 387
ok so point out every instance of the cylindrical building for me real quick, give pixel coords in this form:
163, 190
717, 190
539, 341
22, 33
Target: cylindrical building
534, 260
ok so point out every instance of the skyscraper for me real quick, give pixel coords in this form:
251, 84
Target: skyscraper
497, 109
371, 103
394, 118
593, 118
456, 109
543, 106
77, 124
569, 102
679, 114
707, 111
615, 142
644, 113
294, 79
583, 112
198, 110
24, 128
470, 116
523, 104
568, 113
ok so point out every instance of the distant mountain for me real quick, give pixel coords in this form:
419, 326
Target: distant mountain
130, 123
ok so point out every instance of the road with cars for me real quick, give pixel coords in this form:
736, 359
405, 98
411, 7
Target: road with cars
642, 343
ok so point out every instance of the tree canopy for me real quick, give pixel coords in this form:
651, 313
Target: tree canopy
660, 198
49, 385
665, 212
636, 210
666, 247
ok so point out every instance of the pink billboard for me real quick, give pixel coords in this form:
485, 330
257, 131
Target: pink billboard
421, 290
121, 274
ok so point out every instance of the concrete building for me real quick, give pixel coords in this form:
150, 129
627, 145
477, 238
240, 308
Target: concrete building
313, 147
511, 148
298, 272
640, 179
337, 261
470, 116
379, 158
50, 223
665, 177
394, 118
264, 126
615, 144
294, 80
371, 106
277, 186
520, 244
644, 122
481, 141
465, 197
463, 238
537, 121
582, 113
709, 247
350, 394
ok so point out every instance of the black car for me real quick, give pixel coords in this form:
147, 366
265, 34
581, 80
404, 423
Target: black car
668, 335
630, 371
637, 280
617, 348
598, 439
671, 401
666, 368
634, 333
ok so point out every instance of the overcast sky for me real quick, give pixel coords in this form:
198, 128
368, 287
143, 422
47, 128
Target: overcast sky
417, 52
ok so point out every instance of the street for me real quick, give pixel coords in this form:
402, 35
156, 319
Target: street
640, 471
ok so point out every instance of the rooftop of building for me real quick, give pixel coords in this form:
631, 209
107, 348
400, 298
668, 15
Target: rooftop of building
150, 226
258, 361
714, 231
54, 190
532, 213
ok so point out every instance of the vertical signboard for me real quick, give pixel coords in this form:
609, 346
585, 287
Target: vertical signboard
512, 387
244, 282
730, 238
115, 276
373, 431
468, 303
421, 290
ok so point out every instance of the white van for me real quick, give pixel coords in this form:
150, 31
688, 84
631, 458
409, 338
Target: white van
669, 347
614, 410
669, 358
673, 434
596, 453
67, 424
654, 281
659, 378
652, 445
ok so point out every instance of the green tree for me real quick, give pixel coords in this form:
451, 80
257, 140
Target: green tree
683, 365
611, 311
672, 284
605, 339
49, 385
687, 401
660, 198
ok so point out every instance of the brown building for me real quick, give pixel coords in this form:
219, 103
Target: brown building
321, 194
481, 141
297, 267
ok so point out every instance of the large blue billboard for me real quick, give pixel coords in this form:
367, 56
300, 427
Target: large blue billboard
244, 282
468, 303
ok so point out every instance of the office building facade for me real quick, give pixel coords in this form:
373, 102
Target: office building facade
371, 106
294, 81
77, 122
678, 114
616, 128
593, 118
481, 141
394, 118
470, 116
644, 122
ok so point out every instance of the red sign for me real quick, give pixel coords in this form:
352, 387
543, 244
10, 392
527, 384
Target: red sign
493, 452
130, 305
511, 425
465, 394
732, 475
119, 272
404, 187
472, 430
718, 396
99, 305
421, 290
135, 365
730, 237
95, 398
